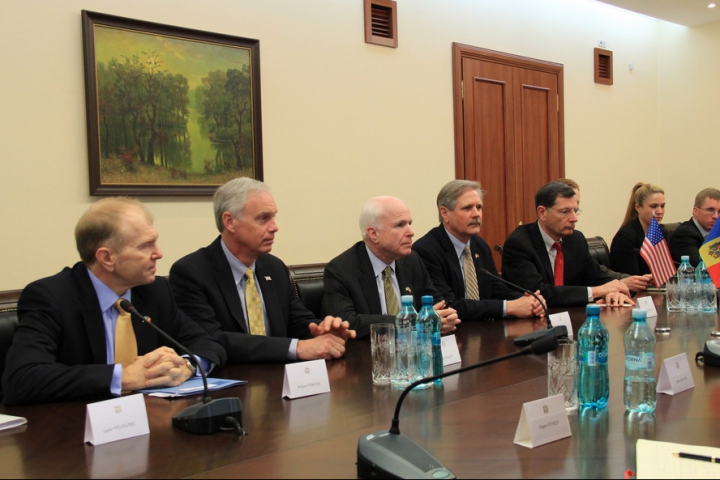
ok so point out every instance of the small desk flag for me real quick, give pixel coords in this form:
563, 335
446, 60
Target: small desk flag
656, 253
710, 254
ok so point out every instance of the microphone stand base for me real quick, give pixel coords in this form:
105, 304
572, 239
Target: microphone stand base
386, 455
211, 417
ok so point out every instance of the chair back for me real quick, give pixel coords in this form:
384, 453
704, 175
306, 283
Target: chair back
309, 285
599, 250
8, 325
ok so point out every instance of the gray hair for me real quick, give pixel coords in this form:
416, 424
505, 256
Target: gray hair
548, 194
232, 197
371, 214
452, 190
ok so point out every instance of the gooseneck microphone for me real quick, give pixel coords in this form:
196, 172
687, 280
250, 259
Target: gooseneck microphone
389, 454
208, 417
528, 338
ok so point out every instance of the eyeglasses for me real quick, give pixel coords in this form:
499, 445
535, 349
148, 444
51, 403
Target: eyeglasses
565, 212
710, 211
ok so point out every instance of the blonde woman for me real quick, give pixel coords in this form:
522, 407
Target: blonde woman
646, 201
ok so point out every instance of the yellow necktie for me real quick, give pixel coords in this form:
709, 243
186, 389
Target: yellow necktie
390, 298
471, 283
253, 305
125, 342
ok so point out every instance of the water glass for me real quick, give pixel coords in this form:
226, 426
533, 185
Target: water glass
561, 373
382, 346
672, 295
707, 297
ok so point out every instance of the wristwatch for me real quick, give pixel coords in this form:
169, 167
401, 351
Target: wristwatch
189, 364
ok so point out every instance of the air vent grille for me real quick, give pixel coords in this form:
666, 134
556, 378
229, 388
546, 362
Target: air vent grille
381, 22
603, 66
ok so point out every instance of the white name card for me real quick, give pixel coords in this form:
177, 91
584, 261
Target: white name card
542, 421
675, 375
647, 304
305, 378
450, 351
116, 419
562, 318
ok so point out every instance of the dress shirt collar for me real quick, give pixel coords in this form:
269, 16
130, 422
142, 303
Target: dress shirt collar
459, 246
549, 242
700, 229
377, 264
106, 296
238, 268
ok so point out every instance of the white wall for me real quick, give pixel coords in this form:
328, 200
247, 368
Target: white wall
344, 120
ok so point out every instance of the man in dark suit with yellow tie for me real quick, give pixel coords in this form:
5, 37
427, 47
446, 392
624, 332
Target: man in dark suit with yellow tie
74, 341
242, 295
454, 254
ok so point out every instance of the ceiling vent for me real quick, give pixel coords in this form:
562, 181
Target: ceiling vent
603, 66
381, 23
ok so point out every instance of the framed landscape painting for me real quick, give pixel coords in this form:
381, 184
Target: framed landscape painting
170, 110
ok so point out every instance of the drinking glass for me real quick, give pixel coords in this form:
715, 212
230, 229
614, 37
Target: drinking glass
561, 374
672, 297
382, 345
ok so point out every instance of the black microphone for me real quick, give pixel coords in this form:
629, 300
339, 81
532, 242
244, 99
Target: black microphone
528, 338
389, 454
208, 417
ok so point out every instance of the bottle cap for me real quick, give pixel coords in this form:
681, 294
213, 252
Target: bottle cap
685, 258
639, 313
407, 299
427, 299
592, 309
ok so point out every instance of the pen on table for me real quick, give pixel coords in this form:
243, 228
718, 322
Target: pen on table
692, 456
614, 306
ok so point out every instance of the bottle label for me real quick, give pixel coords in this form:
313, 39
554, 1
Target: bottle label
643, 361
593, 357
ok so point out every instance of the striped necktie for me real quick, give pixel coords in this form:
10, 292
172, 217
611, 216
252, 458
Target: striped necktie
471, 283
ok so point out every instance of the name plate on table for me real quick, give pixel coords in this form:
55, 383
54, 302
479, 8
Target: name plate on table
450, 351
542, 421
562, 318
675, 375
116, 419
647, 304
305, 378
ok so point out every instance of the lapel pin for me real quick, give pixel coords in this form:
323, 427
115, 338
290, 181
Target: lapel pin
268, 279
407, 289
477, 256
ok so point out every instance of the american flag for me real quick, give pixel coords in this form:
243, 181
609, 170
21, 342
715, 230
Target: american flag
656, 253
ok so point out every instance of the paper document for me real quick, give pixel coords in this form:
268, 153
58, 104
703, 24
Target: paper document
8, 421
656, 460
192, 387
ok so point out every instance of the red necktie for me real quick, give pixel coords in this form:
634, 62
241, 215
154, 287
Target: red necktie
559, 265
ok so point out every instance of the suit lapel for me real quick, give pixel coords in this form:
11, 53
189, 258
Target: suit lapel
542, 253
368, 284
452, 259
147, 338
271, 300
91, 314
226, 284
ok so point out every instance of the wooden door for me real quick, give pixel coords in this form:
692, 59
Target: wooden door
508, 133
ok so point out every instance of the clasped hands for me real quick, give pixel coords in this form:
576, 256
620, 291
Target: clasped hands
160, 368
329, 342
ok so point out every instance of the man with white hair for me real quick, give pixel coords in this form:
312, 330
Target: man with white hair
242, 295
364, 284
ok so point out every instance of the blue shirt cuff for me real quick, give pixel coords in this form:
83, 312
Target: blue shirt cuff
116, 383
292, 350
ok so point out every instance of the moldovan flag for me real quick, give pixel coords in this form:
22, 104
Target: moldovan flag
710, 254
656, 253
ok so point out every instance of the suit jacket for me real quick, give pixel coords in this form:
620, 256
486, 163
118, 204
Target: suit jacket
205, 290
686, 240
526, 262
59, 351
351, 291
625, 249
440, 258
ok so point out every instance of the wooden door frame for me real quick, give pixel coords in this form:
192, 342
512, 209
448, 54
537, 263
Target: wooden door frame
460, 51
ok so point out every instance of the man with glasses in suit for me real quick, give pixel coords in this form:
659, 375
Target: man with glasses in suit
689, 236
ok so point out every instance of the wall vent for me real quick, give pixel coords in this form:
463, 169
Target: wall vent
603, 66
381, 22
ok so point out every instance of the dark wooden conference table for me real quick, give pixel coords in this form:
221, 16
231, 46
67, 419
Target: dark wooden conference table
469, 424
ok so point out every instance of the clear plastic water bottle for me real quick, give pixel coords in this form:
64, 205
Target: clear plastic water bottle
593, 383
427, 311
403, 370
686, 283
706, 291
639, 384
424, 349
